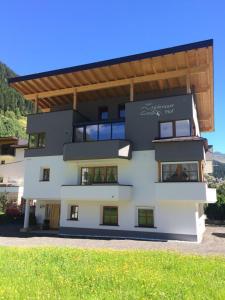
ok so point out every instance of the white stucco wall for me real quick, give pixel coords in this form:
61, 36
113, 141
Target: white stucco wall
140, 172
13, 169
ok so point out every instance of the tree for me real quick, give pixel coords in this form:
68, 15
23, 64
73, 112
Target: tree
3, 201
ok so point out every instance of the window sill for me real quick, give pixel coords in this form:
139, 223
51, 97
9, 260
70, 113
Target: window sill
33, 148
72, 220
177, 181
151, 227
109, 225
44, 180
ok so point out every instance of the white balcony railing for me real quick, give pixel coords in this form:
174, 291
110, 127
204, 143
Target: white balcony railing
104, 192
185, 191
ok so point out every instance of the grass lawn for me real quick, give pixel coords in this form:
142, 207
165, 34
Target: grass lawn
62, 273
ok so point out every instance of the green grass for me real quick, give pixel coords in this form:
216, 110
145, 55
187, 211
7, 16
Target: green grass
62, 273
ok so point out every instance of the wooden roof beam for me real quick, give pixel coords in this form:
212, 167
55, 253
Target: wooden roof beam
121, 82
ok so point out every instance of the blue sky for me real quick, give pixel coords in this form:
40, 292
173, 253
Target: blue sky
48, 34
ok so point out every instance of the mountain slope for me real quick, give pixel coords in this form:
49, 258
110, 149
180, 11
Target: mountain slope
13, 107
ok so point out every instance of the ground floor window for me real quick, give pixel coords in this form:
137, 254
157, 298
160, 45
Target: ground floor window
179, 172
145, 217
110, 215
74, 212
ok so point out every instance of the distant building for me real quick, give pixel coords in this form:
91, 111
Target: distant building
12, 168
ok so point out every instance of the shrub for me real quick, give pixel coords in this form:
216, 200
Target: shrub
13, 212
216, 211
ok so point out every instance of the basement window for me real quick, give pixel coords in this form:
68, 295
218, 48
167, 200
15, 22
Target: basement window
145, 217
110, 215
74, 212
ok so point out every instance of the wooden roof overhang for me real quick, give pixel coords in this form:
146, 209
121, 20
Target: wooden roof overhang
188, 67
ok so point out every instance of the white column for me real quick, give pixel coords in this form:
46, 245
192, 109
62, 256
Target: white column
27, 214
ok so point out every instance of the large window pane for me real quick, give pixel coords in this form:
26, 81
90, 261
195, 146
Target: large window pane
79, 134
111, 174
183, 128
180, 172
104, 132
99, 175
87, 176
92, 132
95, 175
166, 129
145, 217
118, 130
110, 215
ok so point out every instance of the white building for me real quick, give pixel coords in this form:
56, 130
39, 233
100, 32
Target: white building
115, 147
12, 168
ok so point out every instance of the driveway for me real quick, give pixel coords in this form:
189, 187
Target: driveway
213, 242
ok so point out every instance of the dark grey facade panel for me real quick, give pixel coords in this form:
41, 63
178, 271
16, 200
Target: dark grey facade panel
58, 127
95, 150
90, 109
143, 117
141, 125
124, 234
179, 151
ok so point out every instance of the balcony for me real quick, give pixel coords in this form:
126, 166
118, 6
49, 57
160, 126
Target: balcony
185, 191
104, 192
103, 140
7, 150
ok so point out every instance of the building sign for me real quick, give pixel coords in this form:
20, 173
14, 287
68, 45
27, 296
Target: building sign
151, 109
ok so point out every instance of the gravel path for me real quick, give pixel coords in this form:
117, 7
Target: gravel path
212, 244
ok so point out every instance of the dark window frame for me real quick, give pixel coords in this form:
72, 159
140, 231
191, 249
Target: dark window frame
37, 145
112, 128
74, 210
45, 174
105, 174
188, 172
103, 215
146, 225
174, 128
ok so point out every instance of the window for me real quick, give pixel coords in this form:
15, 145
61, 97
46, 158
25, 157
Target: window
175, 129
145, 217
183, 128
103, 113
37, 140
166, 129
98, 175
45, 174
74, 212
2, 162
110, 215
1, 179
180, 172
121, 111
100, 132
